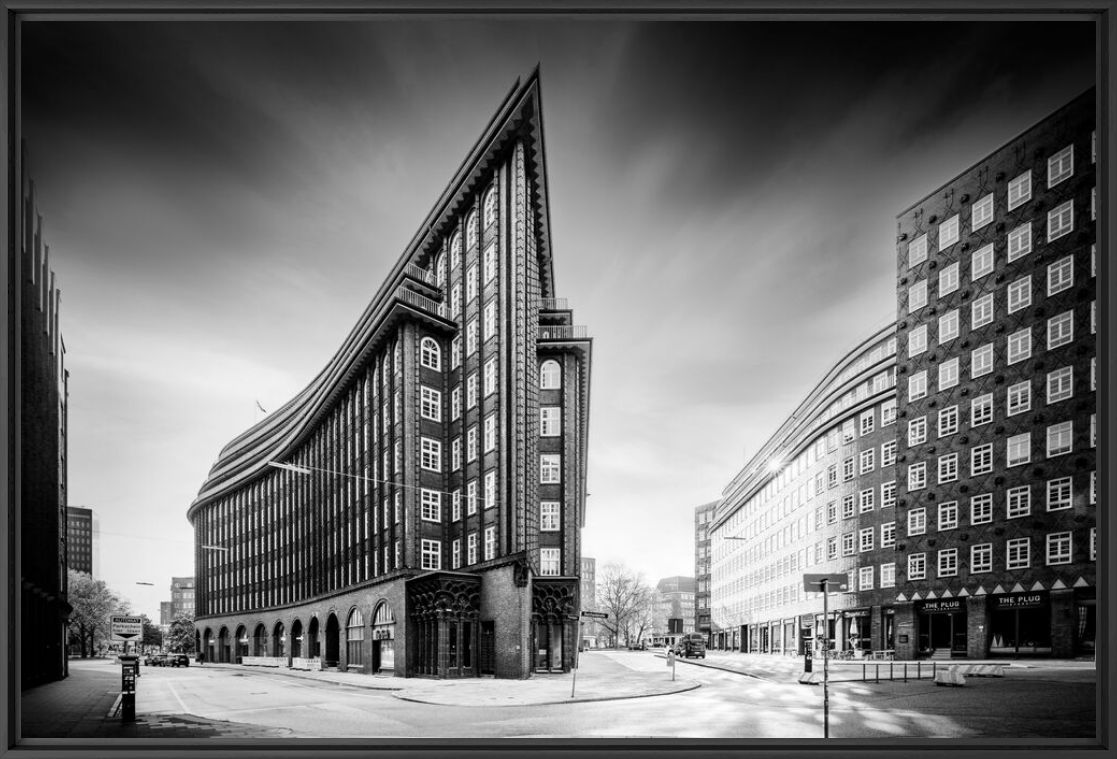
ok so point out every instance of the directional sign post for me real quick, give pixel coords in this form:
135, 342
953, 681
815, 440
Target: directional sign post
814, 583
126, 629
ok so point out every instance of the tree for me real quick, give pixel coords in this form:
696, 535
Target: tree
180, 639
93, 604
627, 599
152, 635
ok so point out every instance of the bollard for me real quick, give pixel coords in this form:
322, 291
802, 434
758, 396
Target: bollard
919, 670
890, 677
878, 673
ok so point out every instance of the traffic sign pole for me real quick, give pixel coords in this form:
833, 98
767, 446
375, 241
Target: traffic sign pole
825, 662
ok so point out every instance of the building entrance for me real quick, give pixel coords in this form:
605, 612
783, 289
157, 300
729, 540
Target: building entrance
942, 627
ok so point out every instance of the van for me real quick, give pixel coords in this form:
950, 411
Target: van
691, 644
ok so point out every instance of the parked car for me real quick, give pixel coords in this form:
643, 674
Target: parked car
158, 660
691, 645
178, 660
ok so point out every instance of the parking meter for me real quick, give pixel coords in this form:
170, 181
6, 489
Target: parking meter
129, 671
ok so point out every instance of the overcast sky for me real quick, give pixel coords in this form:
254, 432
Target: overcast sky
222, 200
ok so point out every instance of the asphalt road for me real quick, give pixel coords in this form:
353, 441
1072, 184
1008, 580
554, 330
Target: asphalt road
1041, 702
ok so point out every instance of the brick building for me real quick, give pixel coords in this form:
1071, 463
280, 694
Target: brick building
997, 307
41, 400
417, 508
79, 539
183, 598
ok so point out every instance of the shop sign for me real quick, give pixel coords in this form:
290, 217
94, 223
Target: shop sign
1019, 601
850, 613
944, 606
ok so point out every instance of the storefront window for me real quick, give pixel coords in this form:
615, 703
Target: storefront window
1020, 624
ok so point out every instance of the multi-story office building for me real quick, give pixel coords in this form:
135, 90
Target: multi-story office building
79, 539
702, 516
997, 367
673, 613
166, 615
41, 400
818, 497
589, 601
418, 507
183, 598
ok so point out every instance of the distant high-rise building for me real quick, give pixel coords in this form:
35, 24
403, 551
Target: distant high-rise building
182, 597
590, 633
79, 539
702, 516
673, 613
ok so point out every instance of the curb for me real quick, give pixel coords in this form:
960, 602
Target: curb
592, 699
283, 673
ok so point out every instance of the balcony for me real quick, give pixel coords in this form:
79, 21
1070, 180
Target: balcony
563, 332
553, 304
420, 274
412, 298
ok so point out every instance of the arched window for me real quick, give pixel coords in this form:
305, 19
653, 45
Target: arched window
354, 639
471, 230
550, 375
429, 354
455, 251
279, 645
490, 206
439, 272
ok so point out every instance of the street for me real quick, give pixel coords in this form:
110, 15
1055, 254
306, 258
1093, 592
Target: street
1041, 702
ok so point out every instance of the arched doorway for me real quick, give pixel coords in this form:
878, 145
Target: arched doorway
279, 641
333, 641
383, 638
260, 641
208, 651
223, 653
242, 643
355, 639
297, 640
313, 644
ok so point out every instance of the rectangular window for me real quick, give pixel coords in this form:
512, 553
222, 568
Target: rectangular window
981, 213
948, 374
471, 497
948, 232
865, 578
549, 516
888, 453
888, 412
948, 421
948, 279
430, 403
430, 454
456, 554
550, 421
865, 539
981, 558
948, 467
1018, 553
471, 282
431, 505
888, 494
848, 471
917, 250
948, 515
917, 385
490, 543
917, 431
1059, 438
1059, 548
490, 377
1020, 241
549, 561
981, 410
917, 340
1060, 329
1020, 294
917, 296
917, 566
431, 554
849, 546
550, 468
848, 506
471, 390
1020, 190
1018, 449
490, 489
489, 319
456, 403
1060, 384
489, 262
1060, 220
981, 360
1060, 275
1059, 493
888, 535
948, 562
865, 500
1018, 502
917, 521
832, 547
471, 548
1020, 345
866, 422
888, 575
948, 326
455, 505
867, 460
981, 508
471, 443
1019, 398
490, 432
1060, 166
981, 459
981, 311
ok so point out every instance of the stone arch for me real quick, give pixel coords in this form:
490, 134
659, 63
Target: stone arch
298, 650
279, 640
313, 639
208, 648
260, 640
224, 653
241, 643
333, 642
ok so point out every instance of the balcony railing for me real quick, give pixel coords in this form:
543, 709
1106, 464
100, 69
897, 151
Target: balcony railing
554, 304
419, 273
421, 301
563, 332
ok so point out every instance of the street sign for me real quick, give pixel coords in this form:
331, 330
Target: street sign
595, 614
126, 628
838, 581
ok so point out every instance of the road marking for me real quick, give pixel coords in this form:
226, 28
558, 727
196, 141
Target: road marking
178, 698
